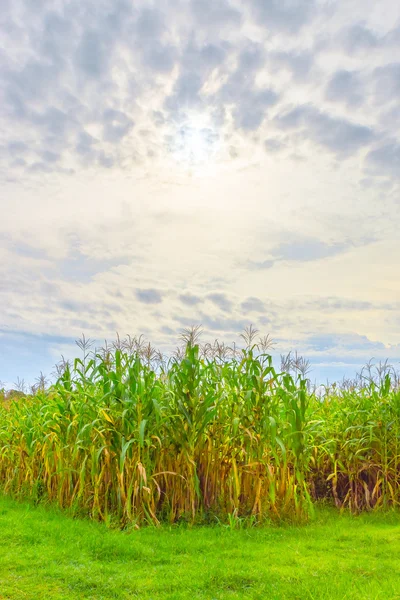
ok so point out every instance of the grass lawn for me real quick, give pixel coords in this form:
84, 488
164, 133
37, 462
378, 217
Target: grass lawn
46, 555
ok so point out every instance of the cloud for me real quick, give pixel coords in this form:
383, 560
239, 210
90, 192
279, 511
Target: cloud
148, 39
300, 64
17, 148
85, 143
79, 267
387, 83
274, 145
224, 325
338, 135
149, 296
220, 300
393, 36
161, 59
359, 38
204, 147
253, 304
190, 299
86, 76
215, 13
351, 342
186, 93
362, 39
92, 56
333, 303
198, 60
265, 264
287, 16
306, 250
251, 109
248, 101
385, 160
300, 250
345, 86
116, 125
150, 24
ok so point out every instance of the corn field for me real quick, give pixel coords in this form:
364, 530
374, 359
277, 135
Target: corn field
124, 436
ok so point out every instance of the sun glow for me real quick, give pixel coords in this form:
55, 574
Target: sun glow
195, 142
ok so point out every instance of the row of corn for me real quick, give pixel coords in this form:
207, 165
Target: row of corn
200, 440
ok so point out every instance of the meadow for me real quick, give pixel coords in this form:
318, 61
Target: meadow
47, 555
212, 435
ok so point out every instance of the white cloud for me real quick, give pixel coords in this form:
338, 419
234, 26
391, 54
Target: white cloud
201, 161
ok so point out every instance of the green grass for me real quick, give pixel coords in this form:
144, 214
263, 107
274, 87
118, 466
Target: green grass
46, 555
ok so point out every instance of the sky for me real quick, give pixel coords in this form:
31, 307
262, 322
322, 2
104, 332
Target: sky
216, 162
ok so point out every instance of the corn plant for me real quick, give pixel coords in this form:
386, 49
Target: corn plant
213, 434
